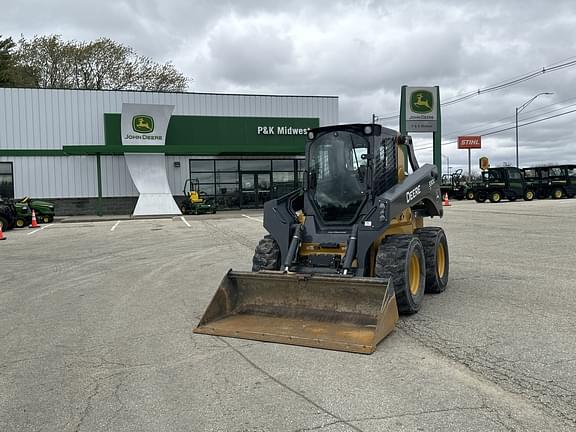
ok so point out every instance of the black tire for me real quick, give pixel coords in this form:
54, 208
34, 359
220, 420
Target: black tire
495, 197
557, 193
266, 255
480, 197
470, 195
401, 258
528, 195
21, 223
437, 258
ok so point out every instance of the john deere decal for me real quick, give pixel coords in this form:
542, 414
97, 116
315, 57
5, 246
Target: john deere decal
421, 101
142, 124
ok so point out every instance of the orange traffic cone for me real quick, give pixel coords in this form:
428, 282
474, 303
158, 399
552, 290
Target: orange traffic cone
1, 233
34, 221
446, 202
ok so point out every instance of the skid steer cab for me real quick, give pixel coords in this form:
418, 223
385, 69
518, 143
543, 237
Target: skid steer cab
345, 254
195, 201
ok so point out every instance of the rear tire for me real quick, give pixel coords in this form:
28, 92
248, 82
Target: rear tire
495, 197
470, 195
401, 258
480, 197
3, 224
266, 255
436, 256
557, 193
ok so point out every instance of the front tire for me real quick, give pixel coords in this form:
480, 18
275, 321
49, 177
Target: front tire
266, 255
436, 256
401, 258
470, 195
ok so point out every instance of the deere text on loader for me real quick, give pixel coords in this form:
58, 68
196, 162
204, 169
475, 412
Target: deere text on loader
346, 253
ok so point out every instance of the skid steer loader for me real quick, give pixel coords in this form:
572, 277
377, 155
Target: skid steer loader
346, 253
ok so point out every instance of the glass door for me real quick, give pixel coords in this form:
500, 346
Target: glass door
255, 188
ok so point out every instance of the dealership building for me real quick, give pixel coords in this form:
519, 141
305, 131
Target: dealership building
71, 146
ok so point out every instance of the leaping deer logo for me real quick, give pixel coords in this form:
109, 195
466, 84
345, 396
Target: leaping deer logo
143, 124
421, 101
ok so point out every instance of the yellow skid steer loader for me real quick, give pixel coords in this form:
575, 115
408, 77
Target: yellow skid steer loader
346, 253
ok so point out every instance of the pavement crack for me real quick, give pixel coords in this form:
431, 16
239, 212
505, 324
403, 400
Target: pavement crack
338, 419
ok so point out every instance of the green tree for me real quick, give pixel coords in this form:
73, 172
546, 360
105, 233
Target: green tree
11, 75
100, 64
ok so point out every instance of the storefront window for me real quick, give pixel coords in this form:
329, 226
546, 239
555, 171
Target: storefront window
202, 165
283, 165
227, 165
254, 165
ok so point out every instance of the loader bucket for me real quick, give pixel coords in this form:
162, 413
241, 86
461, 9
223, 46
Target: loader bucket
333, 312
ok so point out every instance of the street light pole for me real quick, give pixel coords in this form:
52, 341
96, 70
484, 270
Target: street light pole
518, 110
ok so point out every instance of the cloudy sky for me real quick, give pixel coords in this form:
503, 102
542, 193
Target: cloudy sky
360, 51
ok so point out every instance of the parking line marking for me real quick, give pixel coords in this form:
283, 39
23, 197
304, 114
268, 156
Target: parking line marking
185, 221
39, 229
115, 225
253, 218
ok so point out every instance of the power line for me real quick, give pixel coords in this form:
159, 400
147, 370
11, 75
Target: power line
499, 86
429, 146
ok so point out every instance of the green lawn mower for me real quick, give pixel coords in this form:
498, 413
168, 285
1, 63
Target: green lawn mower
44, 210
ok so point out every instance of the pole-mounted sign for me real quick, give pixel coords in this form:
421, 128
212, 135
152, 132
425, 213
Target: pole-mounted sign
469, 142
420, 112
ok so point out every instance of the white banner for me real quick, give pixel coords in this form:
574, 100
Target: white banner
143, 124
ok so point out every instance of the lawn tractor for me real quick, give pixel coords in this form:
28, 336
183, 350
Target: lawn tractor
195, 201
346, 253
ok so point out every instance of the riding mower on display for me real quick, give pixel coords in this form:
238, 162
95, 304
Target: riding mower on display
195, 201
44, 210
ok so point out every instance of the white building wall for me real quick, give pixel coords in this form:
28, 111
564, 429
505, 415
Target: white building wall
49, 119
46, 119
54, 176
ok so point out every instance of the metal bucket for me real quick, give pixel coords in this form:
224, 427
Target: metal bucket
333, 312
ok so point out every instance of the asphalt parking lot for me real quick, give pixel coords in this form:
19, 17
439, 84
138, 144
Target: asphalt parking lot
96, 334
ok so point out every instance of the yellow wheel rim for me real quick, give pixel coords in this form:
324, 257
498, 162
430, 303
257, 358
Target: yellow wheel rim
414, 276
19, 223
496, 197
529, 195
557, 194
440, 260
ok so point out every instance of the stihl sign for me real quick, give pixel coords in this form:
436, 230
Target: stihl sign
469, 142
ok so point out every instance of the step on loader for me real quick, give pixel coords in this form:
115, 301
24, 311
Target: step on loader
346, 253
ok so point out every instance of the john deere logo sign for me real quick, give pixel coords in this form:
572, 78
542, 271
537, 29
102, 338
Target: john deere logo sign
142, 124
421, 102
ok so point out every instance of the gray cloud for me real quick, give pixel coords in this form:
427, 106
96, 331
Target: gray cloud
361, 51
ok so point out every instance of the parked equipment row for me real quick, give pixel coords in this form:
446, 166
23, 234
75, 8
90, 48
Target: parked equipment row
19, 213
513, 183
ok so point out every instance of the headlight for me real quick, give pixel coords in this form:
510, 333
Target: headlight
368, 130
310, 135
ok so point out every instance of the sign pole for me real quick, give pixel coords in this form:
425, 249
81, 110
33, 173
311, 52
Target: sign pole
469, 165
437, 135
